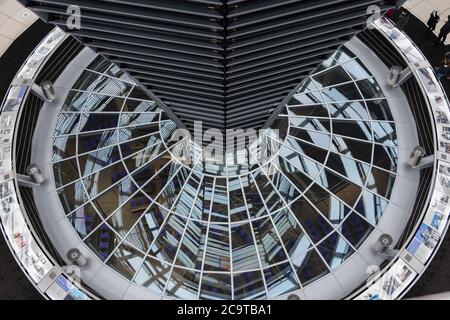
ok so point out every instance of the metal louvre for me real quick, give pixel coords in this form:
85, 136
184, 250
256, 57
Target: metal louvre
228, 63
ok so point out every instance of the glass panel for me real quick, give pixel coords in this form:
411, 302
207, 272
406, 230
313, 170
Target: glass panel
295, 240
202, 205
255, 204
330, 206
158, 176
238, 207
96, 160
309, 124
309, 150
67, 123
295, 167
168, 239
310, 267
244, 251
349, 110
64, 147
140, 152
131, 105
371, 207
192, 248
183, 284
386, 158
306, 99
335, 250
314, 224
217, 256
146, 229
184, 203
138, 119
130, 133
98, 121
170, 192
321, 140
216, 286
249, 285
100, 64
379, 110
342, 92
65, 172
150, 172
93, 82
129, 214
381, 182
355, 171
352, 148
153, 275
280, 183
269, 195
91, 141
385, 133
268, 243
370, 88
112, 199
331, 77
102, 180
355, 229
356, 70
342, 188
103, 241
343, 55
92, 102
280, 279
126, 260
314, 111
219, 211
72, 196
84, 220
353, 129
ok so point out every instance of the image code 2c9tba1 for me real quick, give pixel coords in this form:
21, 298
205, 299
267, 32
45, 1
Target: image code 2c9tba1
225, 310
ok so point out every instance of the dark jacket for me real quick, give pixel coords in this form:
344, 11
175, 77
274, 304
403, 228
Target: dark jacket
446, 28
434, 19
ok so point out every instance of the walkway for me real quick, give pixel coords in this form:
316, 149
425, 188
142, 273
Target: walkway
16, 23
437, 277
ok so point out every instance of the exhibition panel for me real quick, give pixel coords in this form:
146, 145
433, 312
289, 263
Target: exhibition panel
39, 266
401, 273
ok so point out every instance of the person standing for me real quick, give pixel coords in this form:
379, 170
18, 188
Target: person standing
433, 21
442, 72
445, 30
446, 60
390, 13
403, 19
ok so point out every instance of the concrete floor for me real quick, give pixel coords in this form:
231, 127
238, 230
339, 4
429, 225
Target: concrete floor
13, 282
14, 20
423, 8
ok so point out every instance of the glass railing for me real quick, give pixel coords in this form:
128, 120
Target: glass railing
47, 276
412, 260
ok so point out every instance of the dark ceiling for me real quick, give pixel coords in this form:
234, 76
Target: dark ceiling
228, 63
